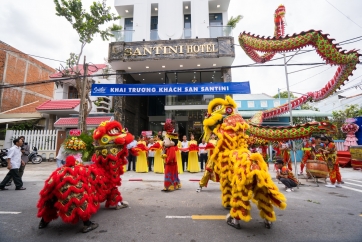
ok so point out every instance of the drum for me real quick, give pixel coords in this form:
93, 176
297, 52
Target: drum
317, 168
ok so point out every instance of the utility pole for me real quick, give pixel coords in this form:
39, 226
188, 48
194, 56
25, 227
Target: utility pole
291, 114
83, 107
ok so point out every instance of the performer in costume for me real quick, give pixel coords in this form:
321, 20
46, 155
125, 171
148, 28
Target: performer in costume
171, 182
141, 148
307, 154
74, 192
243, 175
317, 148
284, 152
330, 154
158, 166
179, 158
209, 173
193, 160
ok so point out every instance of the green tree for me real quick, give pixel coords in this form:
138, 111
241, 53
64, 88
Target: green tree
303, 120
339, 117
87, 25
284, 95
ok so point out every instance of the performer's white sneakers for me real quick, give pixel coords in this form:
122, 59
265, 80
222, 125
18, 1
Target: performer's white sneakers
199, 189
331, 186
121, 205
339, 185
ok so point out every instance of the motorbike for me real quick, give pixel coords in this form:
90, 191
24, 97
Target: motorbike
3, 157
34, 157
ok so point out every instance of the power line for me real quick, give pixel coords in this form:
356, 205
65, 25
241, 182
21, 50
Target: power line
343, 14
19, 52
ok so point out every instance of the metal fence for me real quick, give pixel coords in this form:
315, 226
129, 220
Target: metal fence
44, 140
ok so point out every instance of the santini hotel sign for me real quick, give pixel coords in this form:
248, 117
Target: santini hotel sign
172, 49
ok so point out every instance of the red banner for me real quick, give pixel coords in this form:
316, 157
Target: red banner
75, 132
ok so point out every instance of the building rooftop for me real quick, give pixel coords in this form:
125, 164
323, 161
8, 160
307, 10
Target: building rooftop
59, 104
73, 122
91, 69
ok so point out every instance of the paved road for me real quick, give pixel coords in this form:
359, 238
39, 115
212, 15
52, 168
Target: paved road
313, 213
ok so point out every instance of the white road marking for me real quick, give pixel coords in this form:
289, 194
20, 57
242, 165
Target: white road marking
350, 188
352, 184
178, 216
4, 212
354, 180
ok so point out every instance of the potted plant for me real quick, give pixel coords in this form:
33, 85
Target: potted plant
231, 24
115, 29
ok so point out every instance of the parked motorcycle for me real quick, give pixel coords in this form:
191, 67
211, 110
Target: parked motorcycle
3, 157
34, 157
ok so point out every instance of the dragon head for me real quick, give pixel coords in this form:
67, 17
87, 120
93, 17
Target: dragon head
279, 21
111, 132
217, 110
327, 126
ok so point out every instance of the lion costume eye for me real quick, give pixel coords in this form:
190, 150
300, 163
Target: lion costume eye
216, 108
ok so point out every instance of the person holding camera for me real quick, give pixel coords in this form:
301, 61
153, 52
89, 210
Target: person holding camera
285, 176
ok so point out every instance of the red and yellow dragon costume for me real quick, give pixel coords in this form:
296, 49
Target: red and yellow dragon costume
75, 192
330, 53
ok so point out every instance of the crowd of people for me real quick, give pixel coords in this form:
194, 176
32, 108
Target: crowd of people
191, 156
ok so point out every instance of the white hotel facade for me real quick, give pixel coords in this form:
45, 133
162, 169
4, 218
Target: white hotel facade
173, 41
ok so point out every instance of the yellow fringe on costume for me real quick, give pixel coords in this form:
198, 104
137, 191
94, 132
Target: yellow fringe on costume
243, 175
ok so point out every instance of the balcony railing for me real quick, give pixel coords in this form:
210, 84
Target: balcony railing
220, 31
154, 34
187, 34
123, 35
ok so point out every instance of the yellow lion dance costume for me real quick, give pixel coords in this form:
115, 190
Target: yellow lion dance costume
243, 175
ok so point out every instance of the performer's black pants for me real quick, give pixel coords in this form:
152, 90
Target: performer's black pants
131, 160
202, 159
21, 172
150, 162
184, 157
289, 183
13, 173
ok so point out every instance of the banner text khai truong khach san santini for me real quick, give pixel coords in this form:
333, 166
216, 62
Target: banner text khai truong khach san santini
170, 89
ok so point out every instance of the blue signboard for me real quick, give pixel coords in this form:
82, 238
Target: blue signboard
170, 89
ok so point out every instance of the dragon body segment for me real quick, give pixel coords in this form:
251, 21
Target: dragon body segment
329, 52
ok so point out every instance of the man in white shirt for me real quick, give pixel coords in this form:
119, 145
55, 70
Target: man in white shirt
61, 156
151, 154
184, 153
202, 154
14, 163
131, 158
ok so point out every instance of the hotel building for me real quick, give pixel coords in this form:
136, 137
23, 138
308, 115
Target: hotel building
170, 42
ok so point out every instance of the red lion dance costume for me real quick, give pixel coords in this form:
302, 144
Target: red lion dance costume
75, 192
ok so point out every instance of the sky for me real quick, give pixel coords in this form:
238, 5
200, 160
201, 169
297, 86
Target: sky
33, 28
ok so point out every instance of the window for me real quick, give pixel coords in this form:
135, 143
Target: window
128, 24
276, 103
154, 28
251, 104
263, 104
187, 26
72, 93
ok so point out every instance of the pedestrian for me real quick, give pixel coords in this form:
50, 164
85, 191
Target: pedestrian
184, 152
202, 154
330, 155
25, 150
285, 176
14, 163
61, 156
131, 157
151, 154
